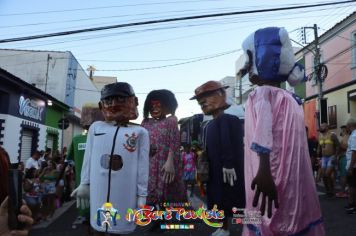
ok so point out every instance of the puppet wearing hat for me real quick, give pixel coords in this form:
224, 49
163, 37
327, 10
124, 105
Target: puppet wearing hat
224, 149
277, 163
115, 167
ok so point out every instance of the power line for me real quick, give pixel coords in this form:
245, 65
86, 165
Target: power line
190, 60
176, 64
96, 8
166, 20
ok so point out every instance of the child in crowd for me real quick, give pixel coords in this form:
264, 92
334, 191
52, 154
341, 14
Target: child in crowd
189, 169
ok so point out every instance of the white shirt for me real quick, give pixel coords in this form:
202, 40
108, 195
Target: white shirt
132, 144
351, 147
32, 163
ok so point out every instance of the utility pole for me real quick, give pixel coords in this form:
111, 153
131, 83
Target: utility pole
317, 69
320, 70
48, 58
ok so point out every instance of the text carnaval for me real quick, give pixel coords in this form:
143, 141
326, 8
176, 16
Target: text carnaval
144, 216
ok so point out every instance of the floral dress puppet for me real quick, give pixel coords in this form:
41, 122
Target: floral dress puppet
165, 182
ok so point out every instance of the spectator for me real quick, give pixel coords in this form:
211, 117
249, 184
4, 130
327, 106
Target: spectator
313, 146
341, 160
351, 166
48, 179
32, 192
42, 157
189, 169
202, 173
33, 162
329, 148
48, 154
21, 166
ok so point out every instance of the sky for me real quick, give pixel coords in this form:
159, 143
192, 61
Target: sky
179, 56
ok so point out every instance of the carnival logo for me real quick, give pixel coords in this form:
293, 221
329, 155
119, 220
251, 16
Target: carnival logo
30, 108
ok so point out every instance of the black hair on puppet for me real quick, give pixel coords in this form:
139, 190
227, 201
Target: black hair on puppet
167, 99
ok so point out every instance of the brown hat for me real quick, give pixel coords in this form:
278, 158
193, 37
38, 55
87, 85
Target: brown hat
208, 87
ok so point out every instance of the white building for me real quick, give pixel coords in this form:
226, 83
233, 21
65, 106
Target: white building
56, 73
231, 90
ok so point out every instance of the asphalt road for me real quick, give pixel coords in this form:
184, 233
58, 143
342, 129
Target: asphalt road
336, 222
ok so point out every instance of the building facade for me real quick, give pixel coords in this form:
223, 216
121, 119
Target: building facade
56, 73
27, 122
338, 53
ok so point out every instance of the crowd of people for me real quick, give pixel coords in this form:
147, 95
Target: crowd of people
47, 182
331, 162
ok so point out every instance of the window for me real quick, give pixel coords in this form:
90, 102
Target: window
332, 117
324, 111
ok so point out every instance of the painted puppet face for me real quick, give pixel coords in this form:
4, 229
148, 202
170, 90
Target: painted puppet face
156, 110
212, 102
119, 109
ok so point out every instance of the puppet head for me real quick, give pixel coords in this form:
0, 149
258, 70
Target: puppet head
211, 97
90, 114
270, 58
118, 103
160, 103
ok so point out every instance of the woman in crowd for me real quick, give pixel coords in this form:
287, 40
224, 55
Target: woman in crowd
48, 179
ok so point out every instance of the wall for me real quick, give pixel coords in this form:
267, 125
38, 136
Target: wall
340, 67
67, 81
11, 139
31, 66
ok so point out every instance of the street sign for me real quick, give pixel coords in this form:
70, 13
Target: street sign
63, 123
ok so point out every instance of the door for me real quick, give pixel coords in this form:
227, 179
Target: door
50, 141
26, 145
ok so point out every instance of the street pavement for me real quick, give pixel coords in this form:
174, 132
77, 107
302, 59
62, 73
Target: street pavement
336, 222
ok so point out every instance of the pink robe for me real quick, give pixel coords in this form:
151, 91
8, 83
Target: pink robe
274, 122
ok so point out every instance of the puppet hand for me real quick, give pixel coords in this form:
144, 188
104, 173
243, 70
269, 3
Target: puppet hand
24, 217
141, 201
267, 187
168, 171
229, 175
82, 195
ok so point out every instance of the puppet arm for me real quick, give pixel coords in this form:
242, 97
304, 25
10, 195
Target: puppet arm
143, 168
265, 186
168, 168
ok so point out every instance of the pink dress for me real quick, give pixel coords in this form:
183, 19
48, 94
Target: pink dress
274, 123
164, 135
189, 166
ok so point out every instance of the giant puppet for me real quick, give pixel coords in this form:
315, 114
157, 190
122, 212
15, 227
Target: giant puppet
224, 148
165, 179
277, 162
115, 167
